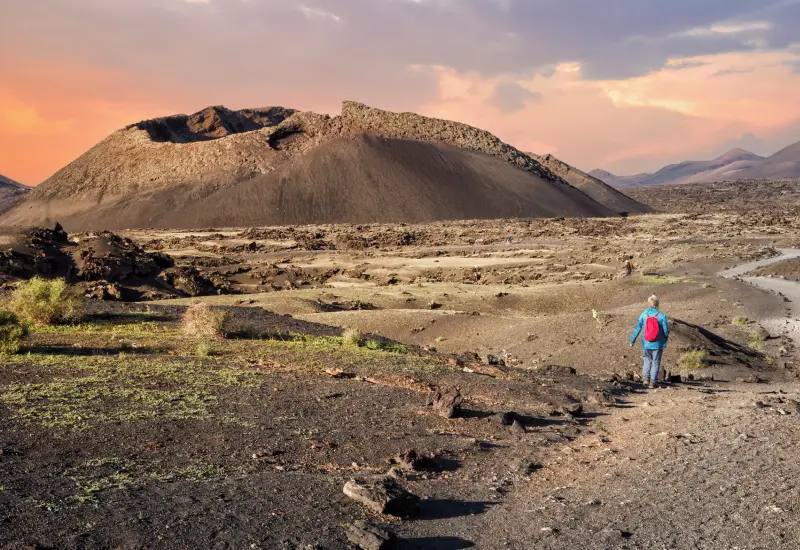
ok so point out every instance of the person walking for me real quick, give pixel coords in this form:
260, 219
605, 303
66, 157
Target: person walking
655, 332
628, 266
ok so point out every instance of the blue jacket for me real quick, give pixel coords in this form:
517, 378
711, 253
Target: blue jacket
663, 334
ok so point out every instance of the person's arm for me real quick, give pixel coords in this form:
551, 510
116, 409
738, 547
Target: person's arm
638, 329
665, 327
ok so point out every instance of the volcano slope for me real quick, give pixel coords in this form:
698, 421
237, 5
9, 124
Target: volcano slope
10, 192
279, 166
594, 187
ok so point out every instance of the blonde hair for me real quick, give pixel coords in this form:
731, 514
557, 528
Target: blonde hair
653, 301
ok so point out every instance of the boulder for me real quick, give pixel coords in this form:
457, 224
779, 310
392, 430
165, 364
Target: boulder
448, 404
383, 495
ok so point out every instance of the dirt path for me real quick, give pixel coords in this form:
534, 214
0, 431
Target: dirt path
788, 325
687, 468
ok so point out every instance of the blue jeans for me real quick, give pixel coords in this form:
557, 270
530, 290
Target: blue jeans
652, 364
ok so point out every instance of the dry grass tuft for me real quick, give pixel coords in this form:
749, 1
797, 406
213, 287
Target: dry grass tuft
693, 360
201, 321
352, 336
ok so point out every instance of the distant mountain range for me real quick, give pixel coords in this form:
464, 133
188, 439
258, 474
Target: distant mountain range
736, 164
10, 191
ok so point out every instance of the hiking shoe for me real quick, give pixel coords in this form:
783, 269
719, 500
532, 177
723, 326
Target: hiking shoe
651, 386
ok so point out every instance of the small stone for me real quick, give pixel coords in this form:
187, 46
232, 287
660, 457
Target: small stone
558, 370
383, 495
368, 536
614, 536
408, 460
495, 361
573, 409
448, 404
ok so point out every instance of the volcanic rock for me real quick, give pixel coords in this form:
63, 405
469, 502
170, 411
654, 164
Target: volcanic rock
368, 536
448, 404
383, 495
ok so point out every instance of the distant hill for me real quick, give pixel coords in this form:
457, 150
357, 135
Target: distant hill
10, 192
783, 164
728, 166
593, 186
276, 166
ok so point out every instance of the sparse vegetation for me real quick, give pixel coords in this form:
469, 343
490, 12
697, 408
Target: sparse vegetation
740, 321
126, 346
43, 302
755, 341
204, 349
11, 333
693, 360
201, 321
390, 347
352, 336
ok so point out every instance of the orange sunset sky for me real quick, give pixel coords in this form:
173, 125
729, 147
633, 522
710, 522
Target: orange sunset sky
624, 85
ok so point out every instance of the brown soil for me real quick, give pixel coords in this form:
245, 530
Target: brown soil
789, 269
120, 432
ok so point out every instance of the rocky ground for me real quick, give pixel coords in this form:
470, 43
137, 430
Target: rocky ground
753, 196
504, 367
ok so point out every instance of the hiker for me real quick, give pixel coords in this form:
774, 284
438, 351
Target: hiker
655, 332
510, 240
628, 266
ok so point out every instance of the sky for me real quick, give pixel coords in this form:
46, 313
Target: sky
623, 85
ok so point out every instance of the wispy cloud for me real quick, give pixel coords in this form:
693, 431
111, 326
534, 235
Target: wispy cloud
727, 28
677, 65
319, 13
732, 71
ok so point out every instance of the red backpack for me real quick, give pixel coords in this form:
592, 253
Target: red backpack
652, 328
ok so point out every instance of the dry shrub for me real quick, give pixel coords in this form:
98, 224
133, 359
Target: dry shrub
204, 349
755, 341
11, 333
351, 336
201, 321
40, 301
693, 360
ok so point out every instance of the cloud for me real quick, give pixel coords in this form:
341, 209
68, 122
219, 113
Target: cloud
510, 97
611, 39
732, 70
319, 14
649, 57
677, 65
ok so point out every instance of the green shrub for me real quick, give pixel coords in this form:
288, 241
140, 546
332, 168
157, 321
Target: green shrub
740, 321
204, 349
351, 336
693, 360
11, 333
44, 302
755, 341
201, 321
